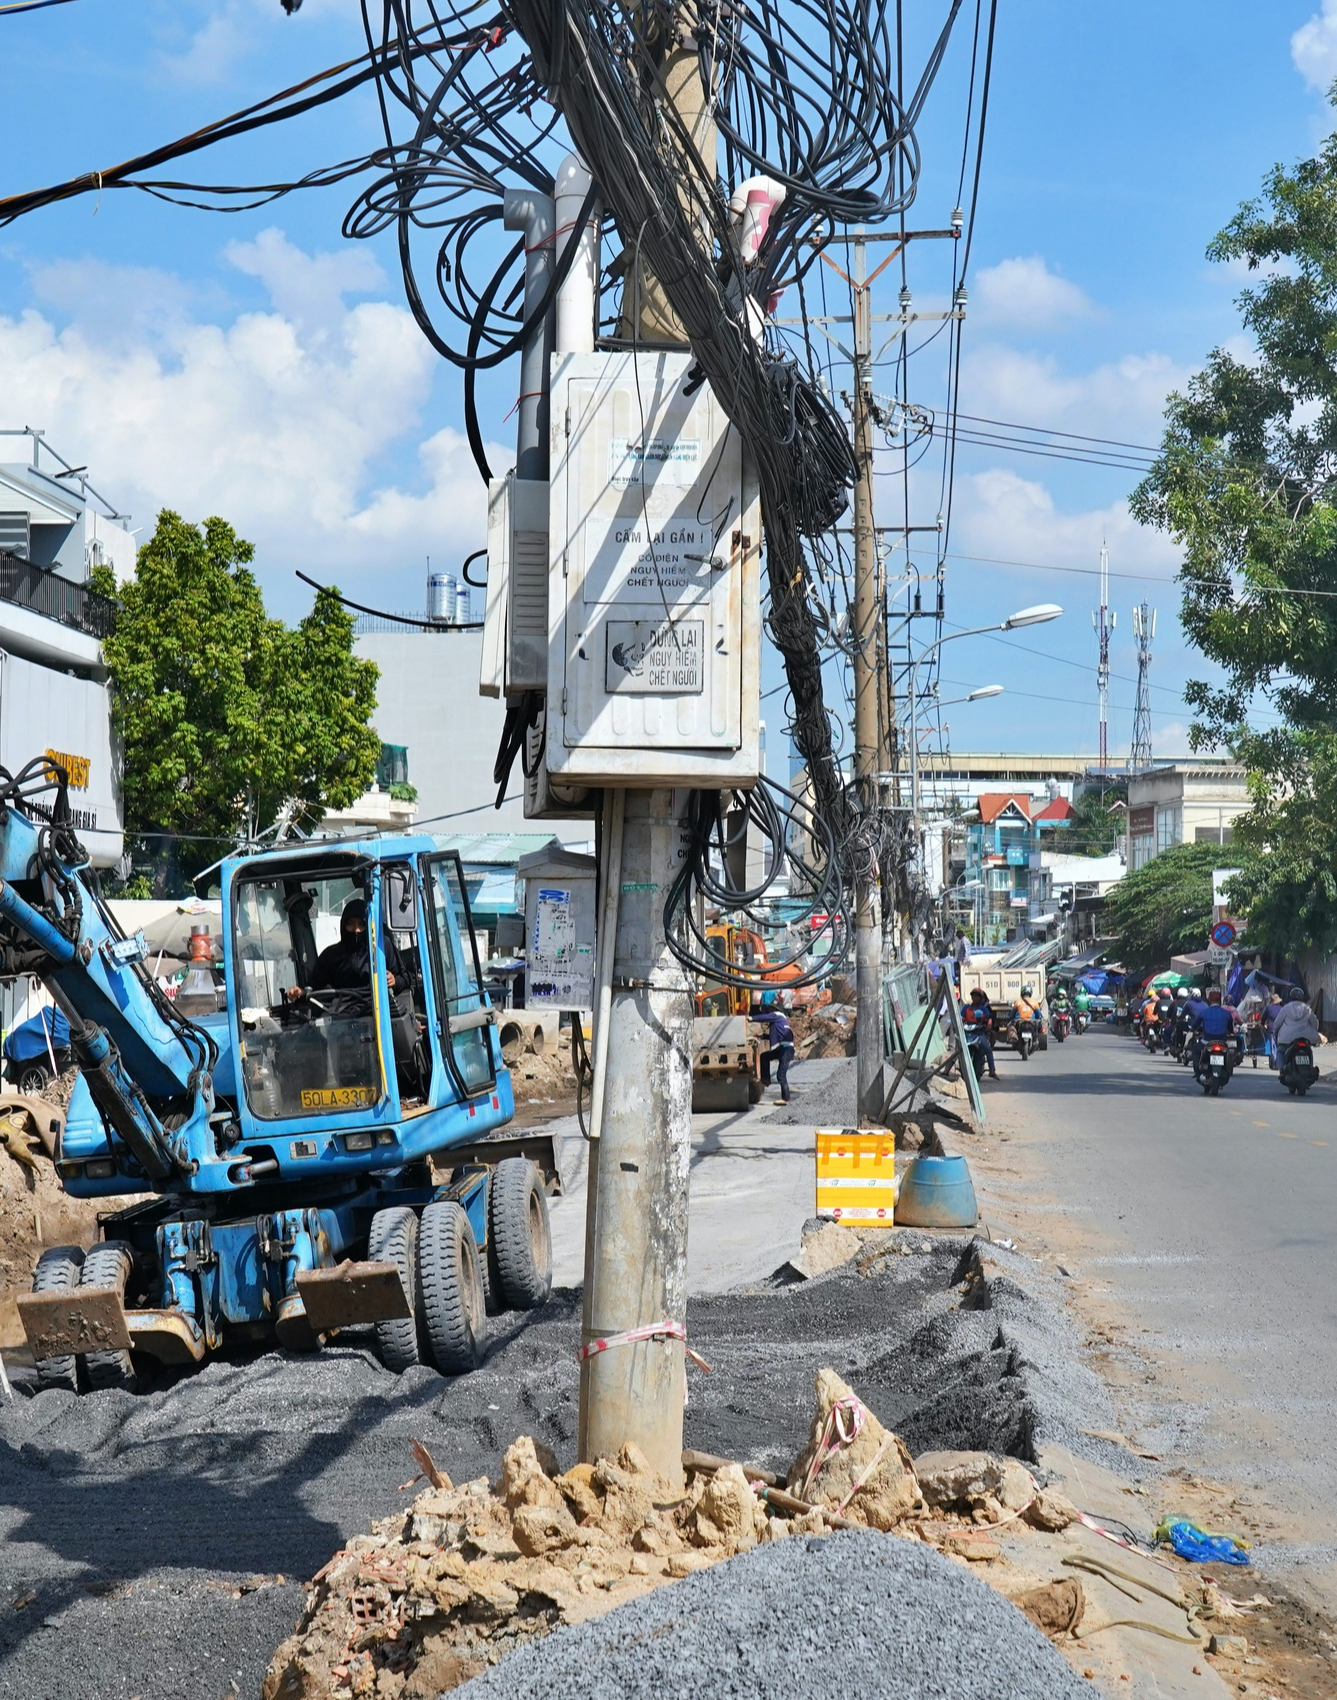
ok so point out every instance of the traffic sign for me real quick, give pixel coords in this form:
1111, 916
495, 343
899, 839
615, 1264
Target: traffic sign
1223, 934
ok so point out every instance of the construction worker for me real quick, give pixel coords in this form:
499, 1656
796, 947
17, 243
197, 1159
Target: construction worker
781, 1048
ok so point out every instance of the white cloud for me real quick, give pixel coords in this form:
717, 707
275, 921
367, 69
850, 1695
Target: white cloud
1002, 515
1024, 292
1314, 48
235, 30
1123, 399
309, 289
277, 420
1170, 739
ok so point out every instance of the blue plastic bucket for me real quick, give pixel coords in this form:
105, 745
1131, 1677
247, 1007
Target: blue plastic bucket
936, 1192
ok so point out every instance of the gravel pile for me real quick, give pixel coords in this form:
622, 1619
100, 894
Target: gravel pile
146, 1536
824, 1095
849, 1613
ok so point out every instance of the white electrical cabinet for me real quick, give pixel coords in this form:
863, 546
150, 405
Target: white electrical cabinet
653, 599
515, 623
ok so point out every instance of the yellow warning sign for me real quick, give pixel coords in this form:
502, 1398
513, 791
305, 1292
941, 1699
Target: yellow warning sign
856, 1176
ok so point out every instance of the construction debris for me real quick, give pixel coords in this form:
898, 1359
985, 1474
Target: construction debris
432, 1596
829, 1247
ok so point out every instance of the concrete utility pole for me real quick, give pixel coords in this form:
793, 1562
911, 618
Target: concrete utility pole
868, 695
640, 1149
636, 1244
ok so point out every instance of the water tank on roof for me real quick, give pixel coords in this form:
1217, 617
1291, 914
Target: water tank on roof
463, 604
442, 597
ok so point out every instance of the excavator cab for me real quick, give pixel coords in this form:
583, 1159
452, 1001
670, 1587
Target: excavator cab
360, 1026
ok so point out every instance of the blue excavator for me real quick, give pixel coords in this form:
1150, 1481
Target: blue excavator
316, 1139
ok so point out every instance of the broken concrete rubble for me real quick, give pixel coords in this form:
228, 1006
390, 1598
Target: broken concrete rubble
851, 1463
436, 1594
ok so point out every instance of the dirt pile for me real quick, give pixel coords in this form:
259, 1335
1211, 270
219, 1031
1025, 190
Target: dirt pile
545, 1077
434, 1596
825, 1032
35, 1211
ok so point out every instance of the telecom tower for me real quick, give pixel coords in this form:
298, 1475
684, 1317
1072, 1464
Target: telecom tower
1104, 623
1144, 630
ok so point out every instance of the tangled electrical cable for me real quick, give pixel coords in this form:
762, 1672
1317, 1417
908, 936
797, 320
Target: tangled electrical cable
476, 96
717, 835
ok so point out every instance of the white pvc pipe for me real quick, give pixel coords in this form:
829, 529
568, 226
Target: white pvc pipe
578, 295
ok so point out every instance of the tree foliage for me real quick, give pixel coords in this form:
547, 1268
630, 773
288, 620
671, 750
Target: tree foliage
225, 715
1165, 907
1098, 822
1246, 483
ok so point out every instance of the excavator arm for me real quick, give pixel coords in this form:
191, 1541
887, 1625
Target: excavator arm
144, 1062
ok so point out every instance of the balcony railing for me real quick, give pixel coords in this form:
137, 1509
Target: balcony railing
45, 592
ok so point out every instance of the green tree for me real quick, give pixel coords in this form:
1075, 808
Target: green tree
1165, 908
224, 714
1098, 822
1246, 483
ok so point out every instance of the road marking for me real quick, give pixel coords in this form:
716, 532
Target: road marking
1262, 1124
1281, 1135
1321, 1143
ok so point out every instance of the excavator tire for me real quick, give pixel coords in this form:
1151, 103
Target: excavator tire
109, 1265
518, 1235
57, 1271
394, 1239
452, 1287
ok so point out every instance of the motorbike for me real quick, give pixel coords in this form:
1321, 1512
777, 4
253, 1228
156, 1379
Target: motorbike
1060, 1024
1081, 1020
1216, 1064
974, 1044
1019, 1036
1151, 1035
1176, 1041
1298, 1070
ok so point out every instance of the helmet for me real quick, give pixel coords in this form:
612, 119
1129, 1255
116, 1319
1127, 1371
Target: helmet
1297, 996
1028, 991
1195, 991
1182, 993
979, 995
1214, 996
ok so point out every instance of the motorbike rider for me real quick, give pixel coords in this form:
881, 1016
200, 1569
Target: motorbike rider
1216, 1021
1180, 1024
1029, 1012
1081, 1000
978, 1019
1296, 1020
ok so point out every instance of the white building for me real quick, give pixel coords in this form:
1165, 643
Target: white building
1183, 802
427, 705
54, 695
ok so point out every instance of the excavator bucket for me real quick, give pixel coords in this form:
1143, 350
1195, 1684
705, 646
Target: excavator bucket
352, 1293
79, 1319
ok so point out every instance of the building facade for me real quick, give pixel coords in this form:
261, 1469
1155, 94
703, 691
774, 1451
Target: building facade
1183, 802
55, 699
428, 706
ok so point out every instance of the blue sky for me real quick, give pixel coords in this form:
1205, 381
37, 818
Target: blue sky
262, 367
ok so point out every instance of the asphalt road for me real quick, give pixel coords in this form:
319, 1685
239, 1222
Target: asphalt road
1209, 1226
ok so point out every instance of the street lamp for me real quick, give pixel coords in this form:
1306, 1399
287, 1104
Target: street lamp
975, 696
1036, 616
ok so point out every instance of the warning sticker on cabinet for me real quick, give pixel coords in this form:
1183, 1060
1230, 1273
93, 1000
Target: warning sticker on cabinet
656, 658
663, 460
662, 564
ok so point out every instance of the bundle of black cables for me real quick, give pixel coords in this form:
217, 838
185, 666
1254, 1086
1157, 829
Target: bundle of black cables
717, 834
